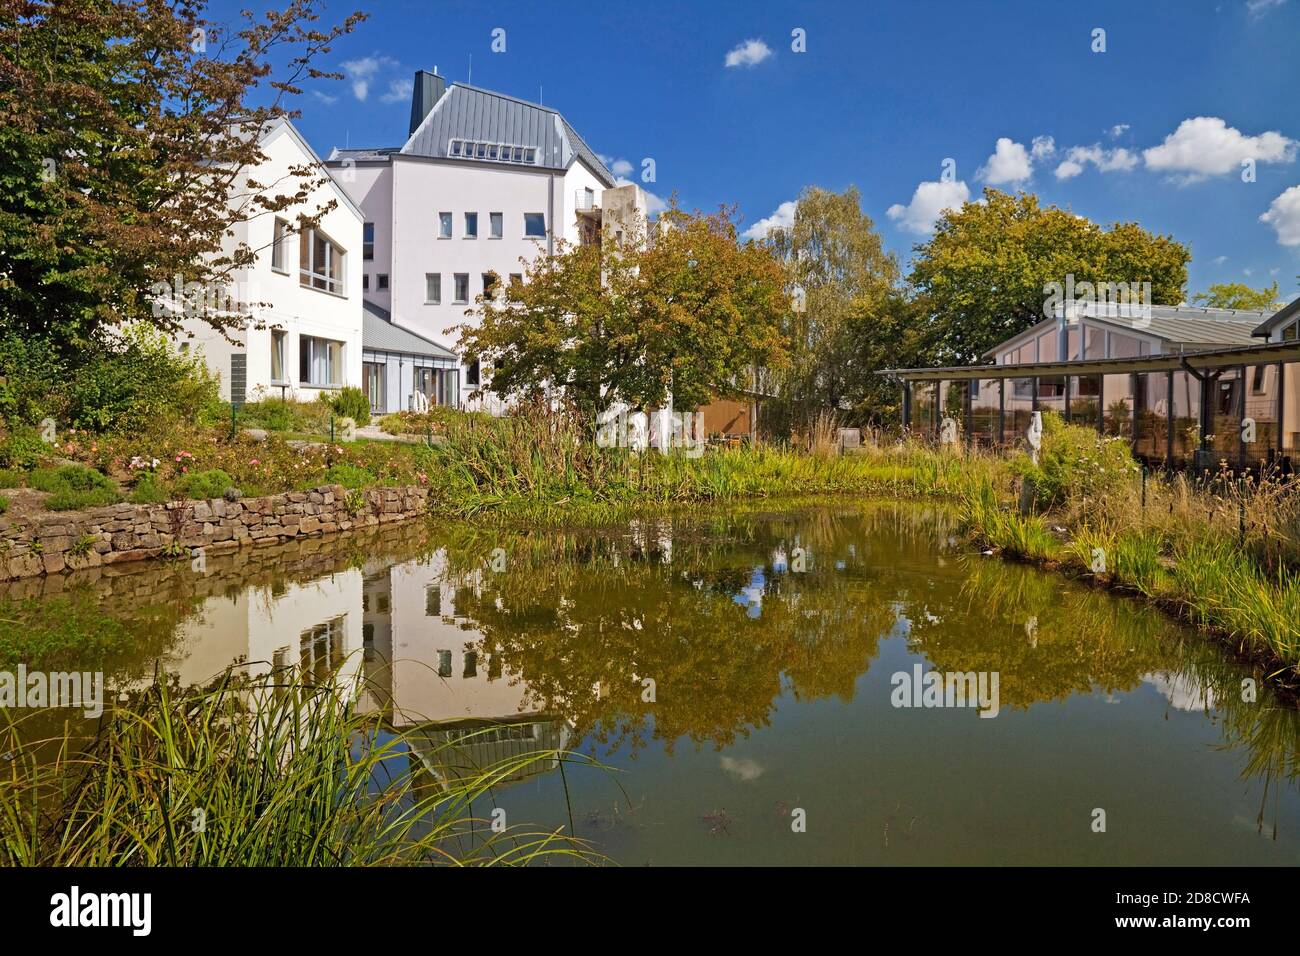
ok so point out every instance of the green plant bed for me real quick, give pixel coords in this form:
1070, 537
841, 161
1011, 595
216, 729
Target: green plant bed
203, 485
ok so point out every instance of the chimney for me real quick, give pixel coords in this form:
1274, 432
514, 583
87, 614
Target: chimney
429, 88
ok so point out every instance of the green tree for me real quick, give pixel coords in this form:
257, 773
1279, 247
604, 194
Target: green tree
981, 277
834, 255
1238, 295
687, 312
127, 129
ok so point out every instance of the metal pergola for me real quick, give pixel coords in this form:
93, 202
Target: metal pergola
1206, 367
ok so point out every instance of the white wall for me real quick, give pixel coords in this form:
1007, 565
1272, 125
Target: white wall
296, 309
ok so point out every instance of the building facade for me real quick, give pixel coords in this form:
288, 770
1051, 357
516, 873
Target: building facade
307, 338
1187, 387
483, 184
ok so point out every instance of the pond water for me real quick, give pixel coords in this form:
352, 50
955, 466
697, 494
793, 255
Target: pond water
740, 676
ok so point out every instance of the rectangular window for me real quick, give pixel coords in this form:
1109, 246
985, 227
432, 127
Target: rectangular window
518, 154
492, 151
320, 361
320, 262
444, 225
277, 355
472, 373
516, 279
433, 288
321, 649
365, 282
277, 246
382, 280
432, 601
480, 150
462, 288
490, 280
535, 225
496, 225
471, 225
455, 147
368, 241
529, 155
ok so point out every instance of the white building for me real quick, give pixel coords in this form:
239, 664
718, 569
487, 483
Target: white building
307, 340
483, 181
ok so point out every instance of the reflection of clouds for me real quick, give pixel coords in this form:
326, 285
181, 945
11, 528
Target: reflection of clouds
752, 596
780, 561
742, 768
1183, 692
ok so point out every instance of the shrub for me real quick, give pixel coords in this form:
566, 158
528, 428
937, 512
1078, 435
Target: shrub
147, 491
73, 499
9, 478
4, 504
202, 485
128, 381
22, 449
272, 415
352, 403
349, 476
69, 478
1075, 462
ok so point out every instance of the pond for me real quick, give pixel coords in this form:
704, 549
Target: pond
755, 685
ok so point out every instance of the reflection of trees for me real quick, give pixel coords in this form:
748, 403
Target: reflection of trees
582, 621
1046, 639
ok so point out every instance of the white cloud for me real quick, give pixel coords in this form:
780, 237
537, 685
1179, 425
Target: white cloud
928, 202
360, 73
621, 168
1042, 147
1257, 8
1077, 159
326, 98
1284, 216
1207, 146
743, 769
1219, 260
783, 218
1119, 129
749, 53
398, 91
1009, 163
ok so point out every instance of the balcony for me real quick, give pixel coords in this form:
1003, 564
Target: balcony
586, 200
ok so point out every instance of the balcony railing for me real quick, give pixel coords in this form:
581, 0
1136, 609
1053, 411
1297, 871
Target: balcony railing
585, 200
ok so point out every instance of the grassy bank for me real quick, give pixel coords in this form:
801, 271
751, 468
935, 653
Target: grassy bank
253, 772
1222, 554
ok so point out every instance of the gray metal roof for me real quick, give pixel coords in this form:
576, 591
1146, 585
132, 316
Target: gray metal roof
1281, 316
467, 112
1257, 353
1178, 326
379, 334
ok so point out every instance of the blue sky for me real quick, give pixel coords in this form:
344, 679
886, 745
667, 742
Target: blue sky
1153, 129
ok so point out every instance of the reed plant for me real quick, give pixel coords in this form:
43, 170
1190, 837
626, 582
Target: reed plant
278, 771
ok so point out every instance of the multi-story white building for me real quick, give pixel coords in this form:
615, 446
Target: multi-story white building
306, 339
482, 182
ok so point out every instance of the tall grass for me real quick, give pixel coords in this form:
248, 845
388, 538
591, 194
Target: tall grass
542, 465
251, 773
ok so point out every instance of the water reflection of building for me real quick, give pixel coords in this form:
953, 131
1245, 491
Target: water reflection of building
315, 625
429, 675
